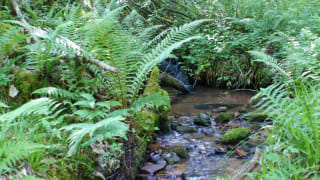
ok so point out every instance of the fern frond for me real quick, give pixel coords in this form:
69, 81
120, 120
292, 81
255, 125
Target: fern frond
153, 100
41, 106
11, 152
269, 61
2, 105
56, 93
108, 128
175, 38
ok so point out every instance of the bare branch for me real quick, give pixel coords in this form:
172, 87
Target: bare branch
18, 12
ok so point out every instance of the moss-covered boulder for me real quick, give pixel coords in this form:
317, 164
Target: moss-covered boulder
138, 154
224, 117
235, 135
174, 125
256, 117
202, 122
181, 152
154, 87
186, 129
145, 123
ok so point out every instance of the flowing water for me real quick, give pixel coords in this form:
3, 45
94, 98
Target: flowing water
208, 157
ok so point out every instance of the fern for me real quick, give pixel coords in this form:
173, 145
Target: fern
56, 93
41, 106
2, 105
175, 38
269, 61
105, 129
12, 152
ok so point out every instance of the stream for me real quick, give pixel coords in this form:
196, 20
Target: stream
193, 151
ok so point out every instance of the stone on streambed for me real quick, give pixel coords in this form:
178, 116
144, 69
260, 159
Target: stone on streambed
186, 129
256, 117
181, 152
202, 121
174, 125
204, 116
235, 135
150, 168
171, 158
223, 117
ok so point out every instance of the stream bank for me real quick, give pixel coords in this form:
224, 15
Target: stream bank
196, 146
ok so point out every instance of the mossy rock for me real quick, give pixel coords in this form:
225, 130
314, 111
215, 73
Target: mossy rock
256, 117
154, 87
174, 125
224, 117
181, 152
186, 129
256, 126
139, 153
202, 122
153, 84
26, 82
146, 121
235, 135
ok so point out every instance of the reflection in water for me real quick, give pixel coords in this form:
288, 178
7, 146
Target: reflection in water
190, 104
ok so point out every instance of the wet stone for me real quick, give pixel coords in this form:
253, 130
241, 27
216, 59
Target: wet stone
203, 116
151, 168
202, 121
235, 135
186, 129
221, 150
171, 158
156, 158
222, 109
256, 117
174, 125
224, 117
145, 177
181, 152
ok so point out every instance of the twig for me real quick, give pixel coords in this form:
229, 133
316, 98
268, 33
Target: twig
18, 12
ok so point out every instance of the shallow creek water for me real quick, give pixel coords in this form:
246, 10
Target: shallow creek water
208, 158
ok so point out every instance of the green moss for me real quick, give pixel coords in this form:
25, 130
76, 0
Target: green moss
186, 129
224, 117
154, 87
4, 27
181, 152
202, 122
153, 84
26, 82
235, 135
139, 153
146, 121
256, 117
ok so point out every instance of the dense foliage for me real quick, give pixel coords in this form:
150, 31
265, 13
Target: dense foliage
73, 77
